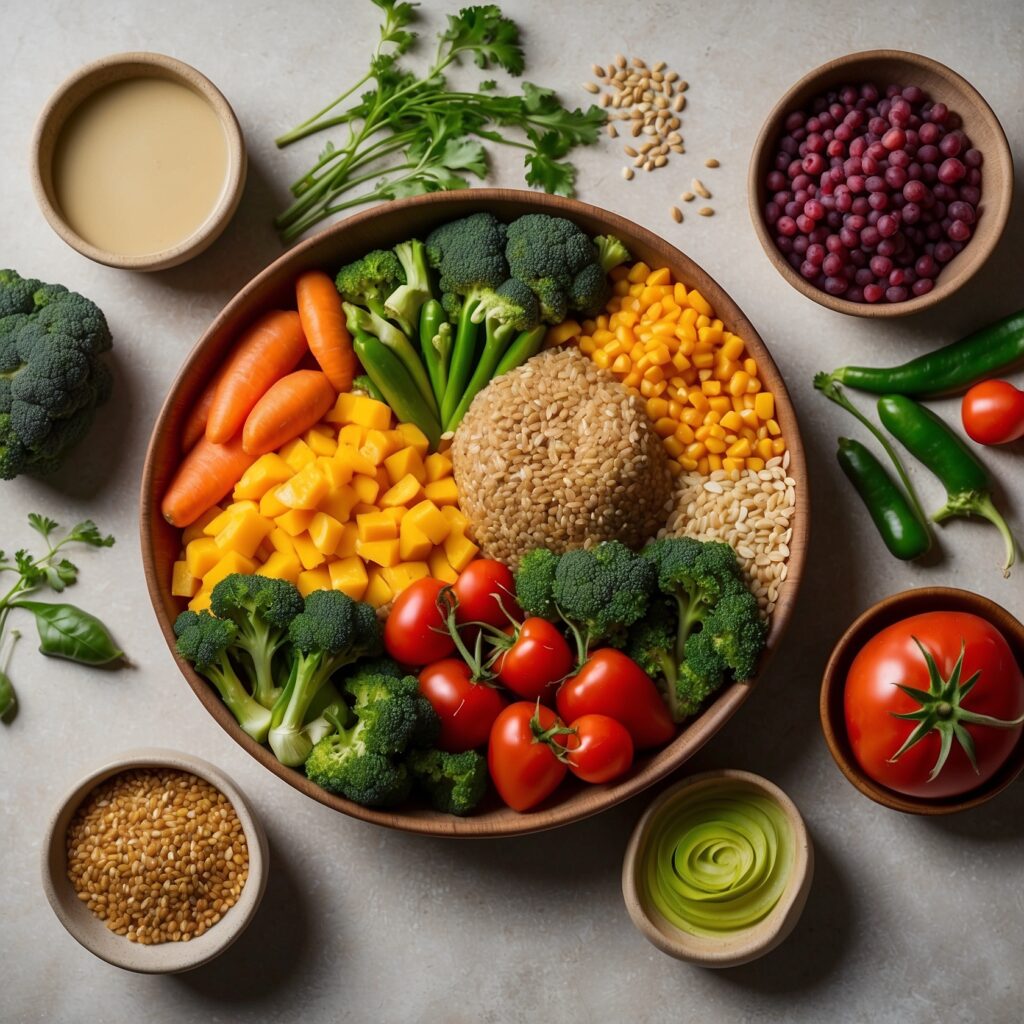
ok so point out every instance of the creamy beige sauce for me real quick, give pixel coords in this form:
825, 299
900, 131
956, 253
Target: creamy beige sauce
140, 165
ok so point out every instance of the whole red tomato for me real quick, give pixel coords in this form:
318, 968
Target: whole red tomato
600, 749
466, 709
524, 767
476, 588
983, 695
993, 412
415, 631
537, 661
614, 685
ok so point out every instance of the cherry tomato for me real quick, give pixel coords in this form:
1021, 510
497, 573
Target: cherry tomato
415, 632
614, 685
475, 589
466, 709
536, 662
892, 659
524, 768
993, 412
600, 749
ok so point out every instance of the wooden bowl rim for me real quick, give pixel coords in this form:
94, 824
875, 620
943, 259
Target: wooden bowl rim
593, 799
749, 943
997, 213
884, 613
89, 79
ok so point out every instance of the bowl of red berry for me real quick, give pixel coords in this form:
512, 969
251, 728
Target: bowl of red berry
880, 183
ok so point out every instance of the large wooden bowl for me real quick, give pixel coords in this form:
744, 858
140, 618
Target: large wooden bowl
384, 226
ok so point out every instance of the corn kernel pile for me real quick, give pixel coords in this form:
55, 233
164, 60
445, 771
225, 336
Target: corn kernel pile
702, 391
353, 505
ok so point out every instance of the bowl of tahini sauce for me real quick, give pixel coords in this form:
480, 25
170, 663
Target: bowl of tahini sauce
138, 161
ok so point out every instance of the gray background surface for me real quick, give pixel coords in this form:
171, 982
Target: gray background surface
909, 920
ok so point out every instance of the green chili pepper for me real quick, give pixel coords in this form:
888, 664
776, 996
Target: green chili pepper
526, 346
436, 345
464, 358
391, 377
947, 370
905, 535
364, 384
496, 341
966, 480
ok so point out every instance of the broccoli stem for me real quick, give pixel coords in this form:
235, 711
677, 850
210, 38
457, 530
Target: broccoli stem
287, 738
691, 611
251, 716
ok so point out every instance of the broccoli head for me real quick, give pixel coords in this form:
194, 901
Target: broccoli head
469, 253
261, 609
396, 715
205, 641
738, 632
52, 376
611, 253
341, 763
652, 642
589, 290
511, 304
535, 583
701, 673
370, 280
404, 303
453, 783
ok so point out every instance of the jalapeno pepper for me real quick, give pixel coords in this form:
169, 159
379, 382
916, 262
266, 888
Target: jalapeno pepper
436, 345
905, 535
464, 358
947, 370
940, 450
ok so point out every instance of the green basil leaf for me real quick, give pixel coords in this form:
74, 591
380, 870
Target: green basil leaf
68, 632
8, 701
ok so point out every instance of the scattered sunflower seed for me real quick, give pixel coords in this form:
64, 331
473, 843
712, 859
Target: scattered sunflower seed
711, 162
706, 211
677, 214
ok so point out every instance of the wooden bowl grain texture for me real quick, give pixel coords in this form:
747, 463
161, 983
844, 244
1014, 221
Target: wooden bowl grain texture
384, 226
895, 67
833, 684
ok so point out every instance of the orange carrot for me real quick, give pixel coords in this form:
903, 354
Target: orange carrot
293, 404
205, 475
195, 422
267, 351
323, 321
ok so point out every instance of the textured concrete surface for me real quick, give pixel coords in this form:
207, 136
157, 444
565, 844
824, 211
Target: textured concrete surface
909, 920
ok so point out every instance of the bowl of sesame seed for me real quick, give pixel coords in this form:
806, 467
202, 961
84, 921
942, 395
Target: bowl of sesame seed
155, 862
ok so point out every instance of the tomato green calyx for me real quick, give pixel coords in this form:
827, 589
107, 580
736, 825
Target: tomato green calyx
447, 604
942, 710
549, 736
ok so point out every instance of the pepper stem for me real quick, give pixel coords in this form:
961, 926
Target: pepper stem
979, 503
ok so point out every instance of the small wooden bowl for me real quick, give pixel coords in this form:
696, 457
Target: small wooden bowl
888, 67
92, 933
83, 84
742, 946
833, 684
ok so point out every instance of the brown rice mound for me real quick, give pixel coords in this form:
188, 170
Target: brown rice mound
558, 454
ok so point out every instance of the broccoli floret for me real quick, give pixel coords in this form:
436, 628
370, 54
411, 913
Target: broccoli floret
205, 641
262, 609
601, 592
52, 376
511, 303
701, 673
469, 253
404, 303
394, 711
590, 290
331, 631
370, 280
453, 783
341, 763
535, 583
652, 643
611, 252
738, 632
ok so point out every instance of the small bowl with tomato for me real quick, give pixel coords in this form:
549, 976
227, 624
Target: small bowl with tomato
922, 701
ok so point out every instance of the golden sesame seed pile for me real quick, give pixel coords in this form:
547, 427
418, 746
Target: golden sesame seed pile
157, 854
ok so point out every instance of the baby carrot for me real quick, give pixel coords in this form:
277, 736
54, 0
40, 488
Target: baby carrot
206, 474
323, 322
195, 422
267, 351
292, 405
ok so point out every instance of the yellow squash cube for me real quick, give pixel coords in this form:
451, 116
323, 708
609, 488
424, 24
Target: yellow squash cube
336, 475
313, 579
437, 467
396, 513
382, 552
198, 528
183, 583
367, 412
440, 568
296, 521
218, 522
347, 544
201, 555
272, 506
407, 492
374, 526
340, 503
459, 550
321, 441
281, 566
414, 544
354, 460
352, 435
325, 533
309, 554
201, 602
377, 446
398, 577
231, 563
457, 520
366, 488
429, 520
297, 454
378, 592
266, 472
349, 576
281, 541
305, 490
405, 462
245, 533
414, 438
443, 492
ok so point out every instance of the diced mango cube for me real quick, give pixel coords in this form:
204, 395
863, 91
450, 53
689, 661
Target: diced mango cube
367, 412
198, 528
340, 503
414, 544
305, 490
281, 541
265, 550
382, 552
321, 441
428, 519
414, 438
271, 506
232, 562
309, 554
459, 550
440, 569
266, 472
201, 555
313, 579
244, 533
405, 462
362, 508
457, 520
377, 446
325, 532
218, 522
297, 454
366, 488
334, 472
374, 526
437, 467
200, 602
354, 460
296, 521
281, 566
378, 592
396, 512
347, 545
183, 583
352, 435
349, 576
407, 492
443, 492
398, 577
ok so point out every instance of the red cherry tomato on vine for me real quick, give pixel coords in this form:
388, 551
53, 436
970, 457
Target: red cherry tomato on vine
600, 749
614, 685
892, 659
466, 709
475, 589
415, 632
993, 412
524, 768
536, 662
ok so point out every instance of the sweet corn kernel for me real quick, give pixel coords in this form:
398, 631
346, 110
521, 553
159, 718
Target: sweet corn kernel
740, 450
656, 408
694, 417
754, 464
703, 432
764, 448
714, 463
773, 428
673, 446
674, 468
715, 445
665, 427
638, 272
621, 365
732, 347
655, 374
698, 401
733, 464
688, 464
764, 405
750, 365
660, 276
601, 359
685, 434
731, 420
698, 302
703, 359
715, 430
695, 450
703, 466
778, 446
738, 383
711, 387
587, 346
563, 332
720, 404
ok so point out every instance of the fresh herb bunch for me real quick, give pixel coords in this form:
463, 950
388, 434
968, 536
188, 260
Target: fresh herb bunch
64, 630
428, 135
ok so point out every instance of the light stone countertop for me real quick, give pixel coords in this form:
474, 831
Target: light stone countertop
909, 919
